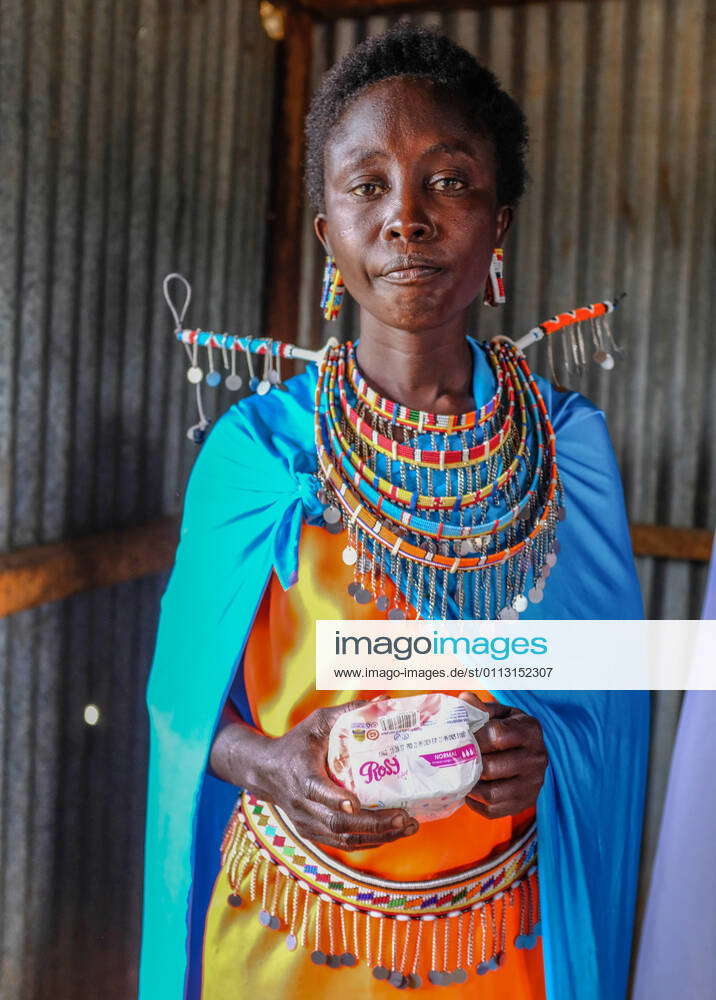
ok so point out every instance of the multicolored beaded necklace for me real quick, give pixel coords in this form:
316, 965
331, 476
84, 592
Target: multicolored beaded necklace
499, 532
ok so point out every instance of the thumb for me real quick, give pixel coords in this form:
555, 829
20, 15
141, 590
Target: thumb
495, 709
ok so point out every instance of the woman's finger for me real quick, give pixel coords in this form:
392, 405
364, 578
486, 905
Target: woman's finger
495, 709
497, 792
368, 824
496, 810
509, 764
515, 730
318, 788
332, 797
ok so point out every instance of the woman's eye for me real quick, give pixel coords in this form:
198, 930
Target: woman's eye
366, 189
448, 184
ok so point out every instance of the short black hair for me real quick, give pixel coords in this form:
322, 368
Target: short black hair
413, 50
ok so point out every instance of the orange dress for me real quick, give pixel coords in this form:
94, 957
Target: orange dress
243, 958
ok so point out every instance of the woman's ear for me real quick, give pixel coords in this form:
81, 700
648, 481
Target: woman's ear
320, 226
504, 221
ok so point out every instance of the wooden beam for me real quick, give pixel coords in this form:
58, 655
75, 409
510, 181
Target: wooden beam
663, 542
330, 10
46, 573
283, 266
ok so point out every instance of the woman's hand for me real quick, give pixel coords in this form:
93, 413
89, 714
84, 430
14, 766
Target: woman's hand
514, 760
296, 779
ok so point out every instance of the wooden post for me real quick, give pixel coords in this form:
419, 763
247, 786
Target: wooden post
283, 265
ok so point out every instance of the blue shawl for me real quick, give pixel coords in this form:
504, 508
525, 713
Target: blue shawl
252, 486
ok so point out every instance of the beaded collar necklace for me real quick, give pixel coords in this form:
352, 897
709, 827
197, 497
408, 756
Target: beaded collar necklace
507, 546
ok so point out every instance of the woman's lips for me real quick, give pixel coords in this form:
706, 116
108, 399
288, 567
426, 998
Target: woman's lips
411, 275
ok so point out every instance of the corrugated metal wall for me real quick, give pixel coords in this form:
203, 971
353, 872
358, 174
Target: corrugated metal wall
135, 141
619, 99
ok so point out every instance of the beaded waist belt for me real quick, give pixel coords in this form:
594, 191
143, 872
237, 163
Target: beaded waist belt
440, 927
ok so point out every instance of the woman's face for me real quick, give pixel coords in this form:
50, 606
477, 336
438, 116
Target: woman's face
411, 211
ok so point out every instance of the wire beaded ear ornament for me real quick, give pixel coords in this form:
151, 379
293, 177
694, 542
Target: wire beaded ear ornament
495, 285
230, 347
332, 289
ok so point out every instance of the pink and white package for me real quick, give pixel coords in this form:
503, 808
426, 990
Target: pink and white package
417, 753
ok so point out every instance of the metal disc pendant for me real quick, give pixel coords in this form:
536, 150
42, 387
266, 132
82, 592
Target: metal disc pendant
213, 379
397, 979
331, 515
335, 529
195, 374
348, 959
520, 603
263, 387
520, 941
438, 978
382, 603
492, 964
459, 976
233, 382
318, 958
233, 899
353, 588
333, 961
253, 383
350, 555
291, 942
414, 981
274, 923
396, 614
551, 559
504, 614
483, 968
380, 972
363, 596
536, 594
274, 377
264, 918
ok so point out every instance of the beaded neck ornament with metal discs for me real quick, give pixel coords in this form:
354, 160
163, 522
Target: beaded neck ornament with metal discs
470, 501
460, 511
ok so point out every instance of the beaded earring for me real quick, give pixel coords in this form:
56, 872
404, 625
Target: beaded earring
495, 286
332, 290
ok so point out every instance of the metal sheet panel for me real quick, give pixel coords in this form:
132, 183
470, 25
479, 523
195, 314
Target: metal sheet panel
135, 142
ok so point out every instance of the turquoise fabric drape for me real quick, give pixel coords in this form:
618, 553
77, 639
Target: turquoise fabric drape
251, 488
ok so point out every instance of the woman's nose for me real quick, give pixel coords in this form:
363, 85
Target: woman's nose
408, 220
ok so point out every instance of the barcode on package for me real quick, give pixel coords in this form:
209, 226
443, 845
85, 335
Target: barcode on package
399, 720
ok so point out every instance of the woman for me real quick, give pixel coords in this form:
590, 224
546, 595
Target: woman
415, 165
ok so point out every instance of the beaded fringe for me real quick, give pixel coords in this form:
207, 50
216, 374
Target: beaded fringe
394, 946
